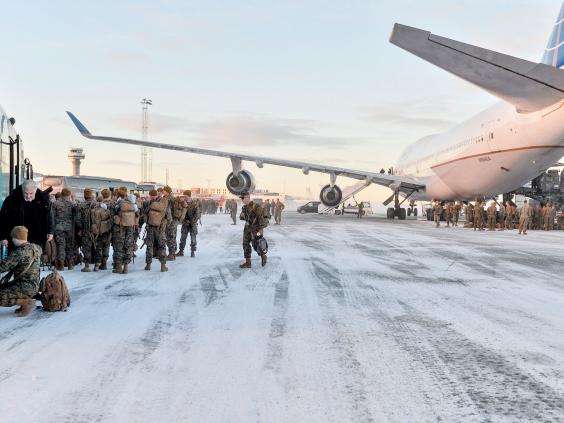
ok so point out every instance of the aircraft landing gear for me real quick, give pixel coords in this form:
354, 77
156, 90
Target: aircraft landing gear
396, 211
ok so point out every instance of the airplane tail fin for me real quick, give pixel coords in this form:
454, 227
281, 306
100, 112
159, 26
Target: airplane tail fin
528, 86
554, 52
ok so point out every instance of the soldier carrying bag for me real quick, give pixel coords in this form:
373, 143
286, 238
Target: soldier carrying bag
157, 211
53, 293
100, 221
179, 209
260, 245
126, 215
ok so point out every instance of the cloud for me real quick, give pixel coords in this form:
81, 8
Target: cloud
414, 114
250, 130
238, 130
127, 57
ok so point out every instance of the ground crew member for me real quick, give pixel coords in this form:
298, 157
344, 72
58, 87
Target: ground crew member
190, 224
22, 266
278, 207
64, 213
437, 211
360, 209
524, 217
154, 212
491, 216
233, 210
255, 222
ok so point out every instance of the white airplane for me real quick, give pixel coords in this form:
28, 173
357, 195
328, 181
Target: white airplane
496, 151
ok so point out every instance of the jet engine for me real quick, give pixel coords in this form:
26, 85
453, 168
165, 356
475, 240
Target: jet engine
331, 196
238, 185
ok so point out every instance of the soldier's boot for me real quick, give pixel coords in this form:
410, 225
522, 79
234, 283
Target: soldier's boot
103, 265
96, 267
263, 260
148, 266
163, 266
86, 268
70, 264
26, 307
59, 265
171, 257
124, 269
118, 268
246, 264
180, 253
193, 252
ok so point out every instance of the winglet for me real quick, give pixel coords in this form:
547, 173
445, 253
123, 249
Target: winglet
81, 128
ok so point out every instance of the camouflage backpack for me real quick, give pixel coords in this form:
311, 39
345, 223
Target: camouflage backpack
53, 293
100, 221
179, 209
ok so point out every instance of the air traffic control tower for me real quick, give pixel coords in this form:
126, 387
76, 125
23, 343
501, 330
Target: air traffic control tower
76, 156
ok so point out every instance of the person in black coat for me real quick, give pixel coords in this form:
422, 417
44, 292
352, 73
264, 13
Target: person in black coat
30, 207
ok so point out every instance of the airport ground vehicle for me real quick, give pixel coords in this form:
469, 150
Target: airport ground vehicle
353, 209
311, 207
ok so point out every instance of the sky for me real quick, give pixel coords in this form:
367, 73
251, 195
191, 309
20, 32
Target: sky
306, 80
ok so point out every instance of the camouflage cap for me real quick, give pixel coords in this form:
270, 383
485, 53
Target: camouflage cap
153, 193
187, 193
19, 232
65, 192
106, 193
167, 189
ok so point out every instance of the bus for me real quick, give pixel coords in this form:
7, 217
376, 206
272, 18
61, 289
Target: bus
77, 184
11, 170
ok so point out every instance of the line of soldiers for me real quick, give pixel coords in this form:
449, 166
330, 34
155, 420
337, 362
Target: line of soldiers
497, 216
116, 218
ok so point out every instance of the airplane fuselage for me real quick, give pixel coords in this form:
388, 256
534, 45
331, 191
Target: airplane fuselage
496, 151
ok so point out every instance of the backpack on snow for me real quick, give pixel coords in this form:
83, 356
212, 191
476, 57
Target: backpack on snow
53, 293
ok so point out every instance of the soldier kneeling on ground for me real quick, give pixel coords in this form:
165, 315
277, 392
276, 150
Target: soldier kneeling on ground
23, 266
255, 221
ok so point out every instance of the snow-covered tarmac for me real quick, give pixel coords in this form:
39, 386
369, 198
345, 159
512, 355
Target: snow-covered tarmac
350, 321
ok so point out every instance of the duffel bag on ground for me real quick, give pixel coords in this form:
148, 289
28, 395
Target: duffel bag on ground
53, 293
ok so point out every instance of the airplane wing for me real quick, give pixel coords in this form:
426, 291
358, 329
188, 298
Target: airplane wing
527, 85
394, 182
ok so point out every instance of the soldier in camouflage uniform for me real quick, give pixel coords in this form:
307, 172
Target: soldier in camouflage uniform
87, 242
23, 266
64, 212
255, 222
171, 229
103, 241
124, 213
190, 225
155, 235
233, 210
